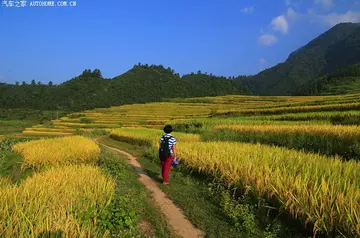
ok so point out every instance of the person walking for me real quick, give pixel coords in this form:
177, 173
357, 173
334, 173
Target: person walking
167, 152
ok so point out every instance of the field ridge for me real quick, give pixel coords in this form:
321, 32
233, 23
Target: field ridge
181, 225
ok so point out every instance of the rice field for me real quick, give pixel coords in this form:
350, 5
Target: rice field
41, 129
47, 202
301, 152
350, 132
330, 116
320, 190
325, 139
52, 201
321, 109
46, 133
57, 152
291, 109
148, 137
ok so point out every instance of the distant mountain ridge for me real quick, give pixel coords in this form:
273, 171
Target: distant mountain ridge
141, 84
334, 49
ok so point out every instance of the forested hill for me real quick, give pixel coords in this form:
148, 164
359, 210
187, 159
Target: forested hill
339, 47
344, 81
143, 83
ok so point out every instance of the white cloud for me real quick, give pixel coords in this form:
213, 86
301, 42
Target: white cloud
262, 61
292, 14
327, 4
267, 39
248, 10
280, 24
335, 18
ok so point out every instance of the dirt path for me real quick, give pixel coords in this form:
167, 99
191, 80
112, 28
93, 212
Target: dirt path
181, 225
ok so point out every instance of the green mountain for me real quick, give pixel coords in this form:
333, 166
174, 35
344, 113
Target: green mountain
77, 93
336, 48
210, 85
155, 83
344, 81
143, 83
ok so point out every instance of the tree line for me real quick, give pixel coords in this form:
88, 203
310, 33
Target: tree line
143, 83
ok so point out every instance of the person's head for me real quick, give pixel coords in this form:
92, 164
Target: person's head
168, 129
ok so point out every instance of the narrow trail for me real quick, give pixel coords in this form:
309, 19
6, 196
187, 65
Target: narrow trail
181, 225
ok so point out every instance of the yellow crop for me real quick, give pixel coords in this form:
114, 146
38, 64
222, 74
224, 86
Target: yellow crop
50, 130
325, 191
324, 130
46, 133
294, 109
59, 151
149, 137
47, 202
84, 125
204, 107
4, 181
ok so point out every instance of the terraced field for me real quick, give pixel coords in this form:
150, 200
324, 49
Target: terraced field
45, 198
299, 154
247, 109
320, 190
57, 187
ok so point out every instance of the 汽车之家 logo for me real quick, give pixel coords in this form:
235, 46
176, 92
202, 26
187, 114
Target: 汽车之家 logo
26, 3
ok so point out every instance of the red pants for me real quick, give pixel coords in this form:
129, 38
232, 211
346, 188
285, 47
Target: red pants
165, 168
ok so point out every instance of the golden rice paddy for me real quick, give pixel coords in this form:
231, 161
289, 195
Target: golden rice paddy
324, 130
43, 203
323, 191
57, 152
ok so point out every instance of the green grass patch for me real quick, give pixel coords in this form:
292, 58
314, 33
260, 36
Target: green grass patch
86, 120
135, 150
14, 126
91, 133
141, 218
10, 166
16, 123
39, 116
10, 162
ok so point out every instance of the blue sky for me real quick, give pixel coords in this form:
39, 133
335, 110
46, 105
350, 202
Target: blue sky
223, 37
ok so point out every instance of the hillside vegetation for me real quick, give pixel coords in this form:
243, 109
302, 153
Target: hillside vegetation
344, 80
90, 90
337, 48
